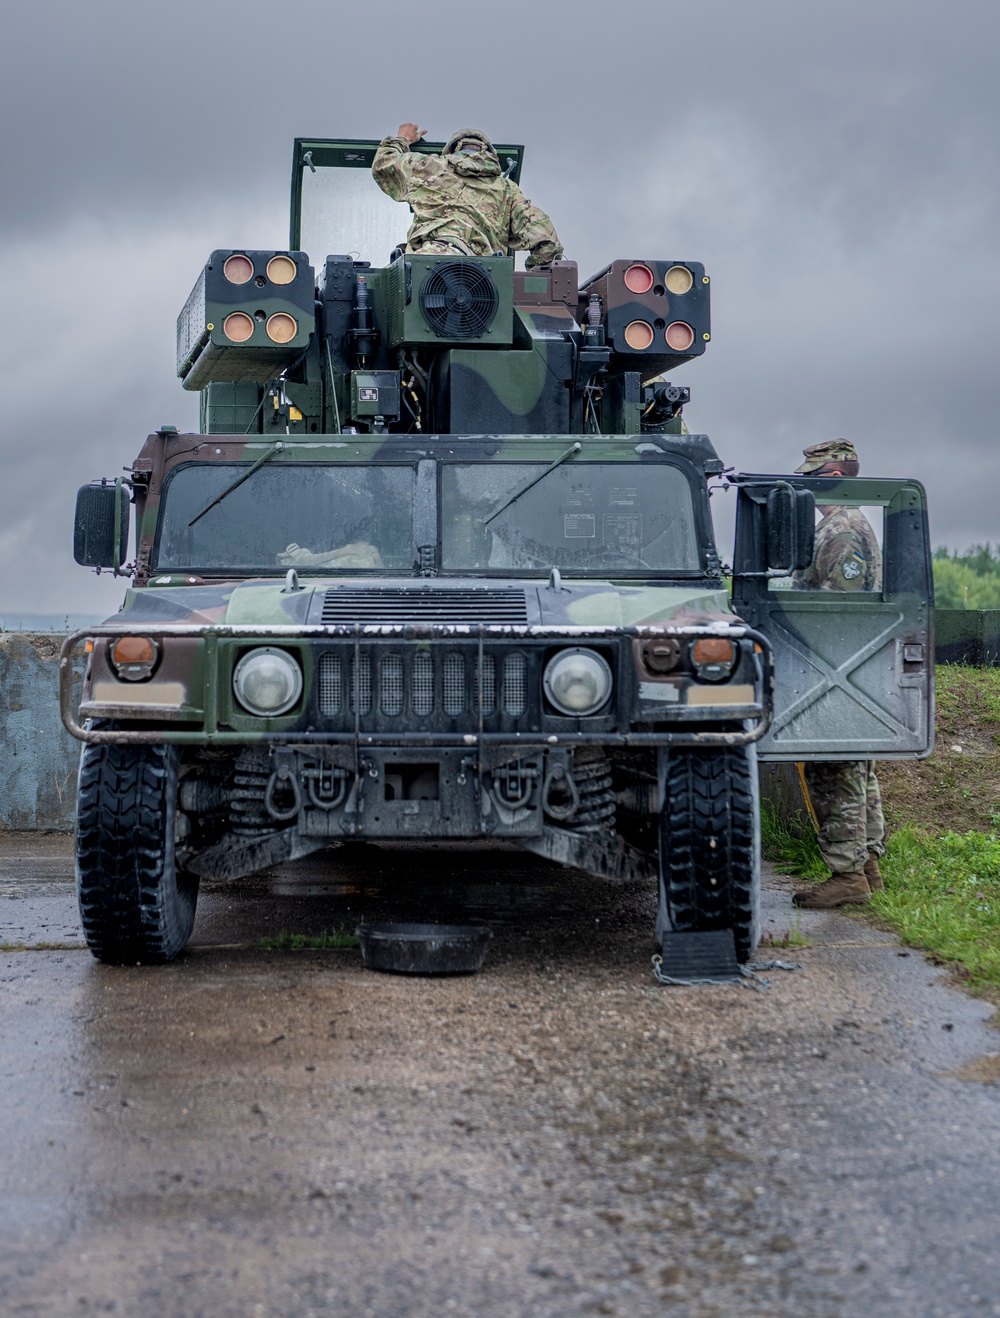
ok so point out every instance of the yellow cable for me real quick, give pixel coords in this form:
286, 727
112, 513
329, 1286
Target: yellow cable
805, 794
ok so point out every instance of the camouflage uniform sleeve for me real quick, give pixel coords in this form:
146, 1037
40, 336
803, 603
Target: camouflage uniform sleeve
532, 230
392, 166
841, 564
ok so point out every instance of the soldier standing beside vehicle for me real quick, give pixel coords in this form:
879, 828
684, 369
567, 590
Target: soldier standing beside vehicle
461, 201
844, 793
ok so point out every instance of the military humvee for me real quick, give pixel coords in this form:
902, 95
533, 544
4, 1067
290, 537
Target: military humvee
441, 565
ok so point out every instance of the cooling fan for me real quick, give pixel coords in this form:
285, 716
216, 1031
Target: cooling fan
459, 300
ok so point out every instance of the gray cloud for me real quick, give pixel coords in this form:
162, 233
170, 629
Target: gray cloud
835, 167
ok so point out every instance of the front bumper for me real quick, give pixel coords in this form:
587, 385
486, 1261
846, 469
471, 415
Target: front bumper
189, 699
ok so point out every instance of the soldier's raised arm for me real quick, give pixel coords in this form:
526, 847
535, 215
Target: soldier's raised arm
393, 164
532, 231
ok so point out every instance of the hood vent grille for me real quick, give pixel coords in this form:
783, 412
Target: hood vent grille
484, 605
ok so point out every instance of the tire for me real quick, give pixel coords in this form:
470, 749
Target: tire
134, 905
710, 844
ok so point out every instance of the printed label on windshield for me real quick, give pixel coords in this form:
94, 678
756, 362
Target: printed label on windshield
623, 534
579, 526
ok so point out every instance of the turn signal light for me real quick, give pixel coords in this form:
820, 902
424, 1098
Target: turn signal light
713, 650
713, 658
134, 657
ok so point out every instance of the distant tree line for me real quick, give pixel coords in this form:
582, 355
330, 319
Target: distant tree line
967, 581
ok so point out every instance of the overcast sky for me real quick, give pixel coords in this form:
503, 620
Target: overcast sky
835, 166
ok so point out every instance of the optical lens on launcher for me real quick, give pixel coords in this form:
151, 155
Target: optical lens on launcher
638, 335
281, 327
281, 270
679, 336
238, 326
238, 269
678, 280
638, 278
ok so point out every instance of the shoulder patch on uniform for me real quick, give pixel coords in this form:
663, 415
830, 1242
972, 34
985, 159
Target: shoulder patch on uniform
852, 568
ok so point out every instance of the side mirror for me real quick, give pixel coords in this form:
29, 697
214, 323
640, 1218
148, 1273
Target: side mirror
100, 527
791, 528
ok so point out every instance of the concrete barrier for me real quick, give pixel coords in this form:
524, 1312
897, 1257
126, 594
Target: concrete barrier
38, 757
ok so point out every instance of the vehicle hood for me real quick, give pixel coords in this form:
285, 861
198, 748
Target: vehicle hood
268, 602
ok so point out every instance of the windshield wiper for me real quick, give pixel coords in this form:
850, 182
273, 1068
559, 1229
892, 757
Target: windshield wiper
573, 448
276, 447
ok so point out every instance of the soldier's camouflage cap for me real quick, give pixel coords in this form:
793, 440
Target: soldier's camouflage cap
832, 450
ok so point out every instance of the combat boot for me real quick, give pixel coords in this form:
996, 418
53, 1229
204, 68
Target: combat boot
838, 890
874, 878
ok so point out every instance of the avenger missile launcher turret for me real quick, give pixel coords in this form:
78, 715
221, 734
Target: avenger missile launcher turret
440, 565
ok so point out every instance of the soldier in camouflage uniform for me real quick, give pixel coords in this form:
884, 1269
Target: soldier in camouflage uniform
461, 202
844, 793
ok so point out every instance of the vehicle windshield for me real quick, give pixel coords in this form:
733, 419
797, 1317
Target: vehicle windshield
338, 207
580, 516
301, 515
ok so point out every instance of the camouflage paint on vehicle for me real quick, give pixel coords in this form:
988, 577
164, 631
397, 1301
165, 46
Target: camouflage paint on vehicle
465, 501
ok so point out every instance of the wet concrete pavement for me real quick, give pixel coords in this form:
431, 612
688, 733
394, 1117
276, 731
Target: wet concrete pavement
258, 1132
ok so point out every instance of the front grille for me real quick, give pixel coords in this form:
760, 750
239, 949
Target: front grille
515, 686
421, 604
453, 684
390, 687
330, 684
421, 683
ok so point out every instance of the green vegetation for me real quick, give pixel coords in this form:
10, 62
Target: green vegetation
942, 884
287, 942
967, 581
943, 893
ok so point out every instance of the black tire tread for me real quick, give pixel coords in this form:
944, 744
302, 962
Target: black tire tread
708, 832
134, 905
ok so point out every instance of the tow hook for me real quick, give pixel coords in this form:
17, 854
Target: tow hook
283, 783
560, 794
515, 783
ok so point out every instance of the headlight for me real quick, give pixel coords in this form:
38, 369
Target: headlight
267, 682
577, 681
134, 657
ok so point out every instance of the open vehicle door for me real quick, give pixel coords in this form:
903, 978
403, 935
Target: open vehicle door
854, 668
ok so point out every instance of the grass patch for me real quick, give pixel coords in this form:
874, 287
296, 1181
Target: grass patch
791, 847
942, 893
287, 942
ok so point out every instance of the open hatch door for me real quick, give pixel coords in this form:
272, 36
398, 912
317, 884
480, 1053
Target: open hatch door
337, 207
854, 668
